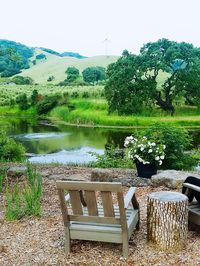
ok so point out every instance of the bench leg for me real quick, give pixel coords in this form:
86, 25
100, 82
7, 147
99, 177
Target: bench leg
125, 248
67, 241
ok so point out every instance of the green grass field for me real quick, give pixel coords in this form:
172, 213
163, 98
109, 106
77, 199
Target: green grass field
56, 66
93, 111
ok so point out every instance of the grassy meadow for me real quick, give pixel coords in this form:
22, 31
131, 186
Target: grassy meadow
89, 107
56, 66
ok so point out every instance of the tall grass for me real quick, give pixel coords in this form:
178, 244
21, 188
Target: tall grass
24, 199
94, 112
2, 177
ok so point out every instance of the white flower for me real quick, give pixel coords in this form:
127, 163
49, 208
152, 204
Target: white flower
153, 144
144, 137
150, 150
160, 162
126, 143
142, 148
139, 159
164, 146
162, 157
157, 158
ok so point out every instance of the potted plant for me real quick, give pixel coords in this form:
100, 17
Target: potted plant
146, 153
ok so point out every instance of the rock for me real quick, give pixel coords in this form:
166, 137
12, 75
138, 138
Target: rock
133, 181
74, 177
102, 175
126, 177
171, 178
16, 171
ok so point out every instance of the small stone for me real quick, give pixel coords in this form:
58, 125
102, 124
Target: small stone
16, 171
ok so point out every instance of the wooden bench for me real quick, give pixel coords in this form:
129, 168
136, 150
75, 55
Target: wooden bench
91, 221
193, 207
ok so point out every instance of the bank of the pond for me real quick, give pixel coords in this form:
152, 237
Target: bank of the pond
16, 112
96, 115
100, 118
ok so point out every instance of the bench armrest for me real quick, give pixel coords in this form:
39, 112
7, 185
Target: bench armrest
67, 198
193, 187
129, 196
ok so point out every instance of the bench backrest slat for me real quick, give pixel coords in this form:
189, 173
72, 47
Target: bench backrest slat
107, 204
76, 201
90, 198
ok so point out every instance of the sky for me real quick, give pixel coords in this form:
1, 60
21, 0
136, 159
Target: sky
83, 25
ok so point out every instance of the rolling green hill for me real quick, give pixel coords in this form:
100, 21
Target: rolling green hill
56, 66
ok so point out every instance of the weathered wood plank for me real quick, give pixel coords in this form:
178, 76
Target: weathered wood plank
91, 203
65, 216
98, 186
95, 219
107, 204
125, 246
96, 236
75, 201
129, 196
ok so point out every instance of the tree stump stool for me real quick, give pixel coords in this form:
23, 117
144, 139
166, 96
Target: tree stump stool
167, 220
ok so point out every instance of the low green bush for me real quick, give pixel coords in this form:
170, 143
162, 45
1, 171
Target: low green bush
10, 150
112, 158
177, 141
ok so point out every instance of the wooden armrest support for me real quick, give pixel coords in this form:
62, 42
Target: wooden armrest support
129, 196
67, 198
196, 188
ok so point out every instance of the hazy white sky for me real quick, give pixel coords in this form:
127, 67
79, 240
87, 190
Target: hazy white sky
82, 25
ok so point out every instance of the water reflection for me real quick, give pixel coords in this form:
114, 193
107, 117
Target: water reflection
68, 144
79, 156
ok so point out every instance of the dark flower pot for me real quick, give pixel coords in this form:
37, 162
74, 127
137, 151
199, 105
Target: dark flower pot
145, 170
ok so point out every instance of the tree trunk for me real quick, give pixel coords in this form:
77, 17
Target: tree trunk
167, 220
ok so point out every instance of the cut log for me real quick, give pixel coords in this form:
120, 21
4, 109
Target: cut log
167, 220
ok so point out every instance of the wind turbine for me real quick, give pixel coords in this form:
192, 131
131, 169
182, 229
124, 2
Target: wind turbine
106, 41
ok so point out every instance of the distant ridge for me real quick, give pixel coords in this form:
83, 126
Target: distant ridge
69, 54
42, 63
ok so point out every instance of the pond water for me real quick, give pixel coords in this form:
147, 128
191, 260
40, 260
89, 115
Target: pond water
47, 143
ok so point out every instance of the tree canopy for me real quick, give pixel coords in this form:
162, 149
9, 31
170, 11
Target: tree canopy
134, 80
72, 74
13, 57
94, 74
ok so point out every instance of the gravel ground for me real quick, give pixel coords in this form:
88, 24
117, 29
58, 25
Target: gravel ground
40, 241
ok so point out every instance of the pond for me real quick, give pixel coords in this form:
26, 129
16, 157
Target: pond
57, 143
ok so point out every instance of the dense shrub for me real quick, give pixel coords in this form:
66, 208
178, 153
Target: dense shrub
75, 94
40, 56
47, 104
9, 149
177, 141
22, 101
94, 74
19, 80
50, 78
